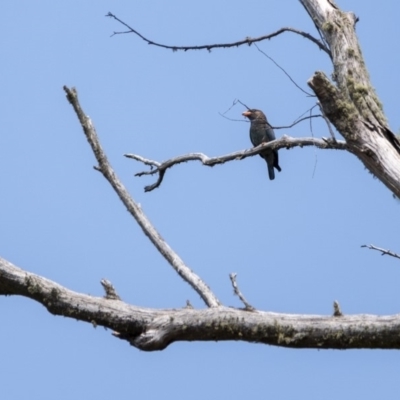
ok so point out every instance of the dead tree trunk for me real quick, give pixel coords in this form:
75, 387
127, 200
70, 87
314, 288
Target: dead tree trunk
351, 103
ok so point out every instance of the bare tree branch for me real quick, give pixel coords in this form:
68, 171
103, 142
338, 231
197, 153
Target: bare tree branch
208, 47
383, 251
284, 142
337, 312
284, 71
111, 293
134, 209
297, 121
151, 329
238, 293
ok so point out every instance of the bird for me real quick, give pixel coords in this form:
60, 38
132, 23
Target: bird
262, 132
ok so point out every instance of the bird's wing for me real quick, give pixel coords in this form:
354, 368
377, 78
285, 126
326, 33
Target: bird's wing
270, 134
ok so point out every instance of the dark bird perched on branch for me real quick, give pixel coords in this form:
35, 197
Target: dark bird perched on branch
261, 132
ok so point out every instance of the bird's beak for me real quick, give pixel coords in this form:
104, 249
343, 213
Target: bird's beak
246, 114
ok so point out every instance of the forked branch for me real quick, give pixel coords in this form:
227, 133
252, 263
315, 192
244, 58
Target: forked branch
283, 142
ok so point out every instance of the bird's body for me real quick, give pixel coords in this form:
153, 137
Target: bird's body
261, 132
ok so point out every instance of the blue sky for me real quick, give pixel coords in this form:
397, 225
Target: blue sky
294, 242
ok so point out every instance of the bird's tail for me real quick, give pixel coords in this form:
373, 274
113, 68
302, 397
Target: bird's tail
276, 161
271, 172
270, 158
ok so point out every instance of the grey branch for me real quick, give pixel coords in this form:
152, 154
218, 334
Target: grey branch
134, 209
247, 41
111, 293
337, 312
383, 251
152, 329
284, 142
238, 293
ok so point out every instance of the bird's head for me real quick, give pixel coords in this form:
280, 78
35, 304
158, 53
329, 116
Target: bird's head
254, 114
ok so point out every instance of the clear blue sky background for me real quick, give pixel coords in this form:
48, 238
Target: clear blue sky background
294, 242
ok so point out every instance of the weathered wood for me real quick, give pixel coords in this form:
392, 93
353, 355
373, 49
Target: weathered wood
350, 101
150, 329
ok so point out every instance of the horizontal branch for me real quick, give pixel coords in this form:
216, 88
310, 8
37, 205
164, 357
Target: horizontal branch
284, 142
152, 329
209, 47
134, 209
383, 251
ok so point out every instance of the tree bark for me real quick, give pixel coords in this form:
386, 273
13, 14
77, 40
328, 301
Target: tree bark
150, 329
351, 103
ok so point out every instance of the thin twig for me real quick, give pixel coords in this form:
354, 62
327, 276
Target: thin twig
283, 142
337, 312
305, 112
208, 47
189, 305
383, 251
111, 293
230, 108
145, 161
327, 122
297, 121
109, 174
233, 105
284, 71
274, 127
238, 293
315, 152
